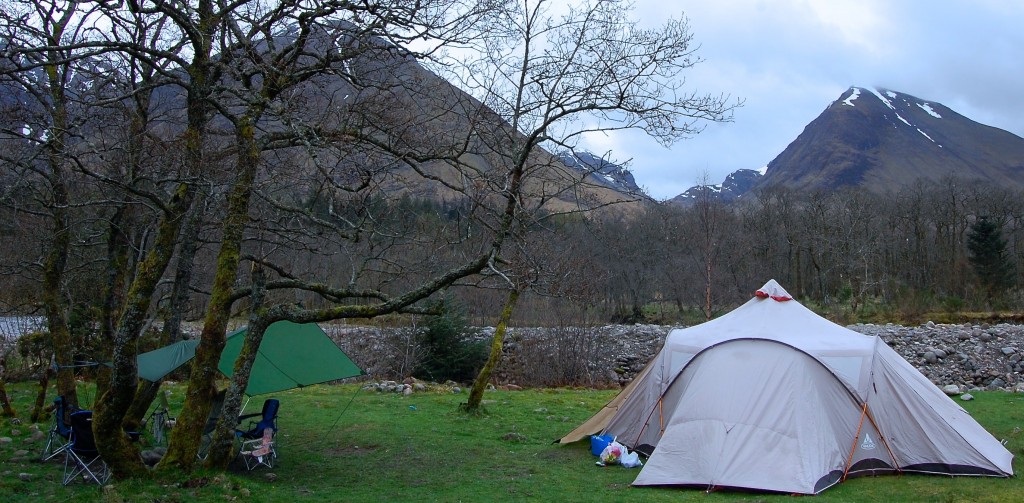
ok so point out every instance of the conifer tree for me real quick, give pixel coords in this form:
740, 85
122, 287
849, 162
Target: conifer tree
988, 256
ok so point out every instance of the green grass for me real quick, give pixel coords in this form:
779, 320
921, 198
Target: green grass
341, 444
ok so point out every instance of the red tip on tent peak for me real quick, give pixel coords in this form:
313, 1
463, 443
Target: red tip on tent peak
772, 290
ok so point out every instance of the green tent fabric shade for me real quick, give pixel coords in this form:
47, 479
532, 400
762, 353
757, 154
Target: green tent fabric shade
155, 364
291, 355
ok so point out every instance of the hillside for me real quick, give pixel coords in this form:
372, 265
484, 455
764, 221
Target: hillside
415, 108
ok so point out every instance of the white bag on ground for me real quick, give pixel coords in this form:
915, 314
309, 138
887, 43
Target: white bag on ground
630, 460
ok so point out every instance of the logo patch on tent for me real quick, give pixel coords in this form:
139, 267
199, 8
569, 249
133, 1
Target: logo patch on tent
867, 444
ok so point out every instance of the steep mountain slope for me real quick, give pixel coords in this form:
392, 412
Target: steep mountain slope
882, 140
605, 172
410, 106
383, 123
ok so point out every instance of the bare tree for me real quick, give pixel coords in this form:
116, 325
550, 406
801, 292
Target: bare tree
708, 212
44, 45
545, 72
272, 77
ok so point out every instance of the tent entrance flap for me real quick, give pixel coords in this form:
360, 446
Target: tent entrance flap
292, 355
743, 417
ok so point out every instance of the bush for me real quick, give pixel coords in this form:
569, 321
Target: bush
450, 353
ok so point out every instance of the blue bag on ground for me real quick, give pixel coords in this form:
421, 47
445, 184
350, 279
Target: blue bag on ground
599, 442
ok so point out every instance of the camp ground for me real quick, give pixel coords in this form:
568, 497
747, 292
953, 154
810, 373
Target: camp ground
773, 397
346, 440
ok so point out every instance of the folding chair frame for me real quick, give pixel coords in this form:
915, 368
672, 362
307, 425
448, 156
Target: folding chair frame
59, 432
258, 441
259, 451
81, 458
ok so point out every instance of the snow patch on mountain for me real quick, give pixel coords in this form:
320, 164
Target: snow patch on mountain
931, 111
882, 98
738, 182
885, 96
848, 101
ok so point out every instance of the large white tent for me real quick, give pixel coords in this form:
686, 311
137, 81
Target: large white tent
774, 397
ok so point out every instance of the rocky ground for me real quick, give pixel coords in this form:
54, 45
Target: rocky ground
969, 356
958, 358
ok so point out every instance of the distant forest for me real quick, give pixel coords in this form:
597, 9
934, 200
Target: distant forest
852, 254
908, 251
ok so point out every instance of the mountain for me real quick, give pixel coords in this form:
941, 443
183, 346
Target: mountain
883, 140
735, 185
602, 171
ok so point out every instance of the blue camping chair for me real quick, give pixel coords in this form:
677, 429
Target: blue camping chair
60, 430
81, 457
259, 439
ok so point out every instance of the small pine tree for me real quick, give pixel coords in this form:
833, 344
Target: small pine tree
988, 256
450, 354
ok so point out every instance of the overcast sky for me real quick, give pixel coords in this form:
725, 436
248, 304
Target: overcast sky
789, 59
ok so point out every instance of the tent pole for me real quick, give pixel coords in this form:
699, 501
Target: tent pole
881, 438
661, 415
853, 448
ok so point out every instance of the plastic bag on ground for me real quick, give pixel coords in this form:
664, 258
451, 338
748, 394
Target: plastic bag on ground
630, 460
612, 453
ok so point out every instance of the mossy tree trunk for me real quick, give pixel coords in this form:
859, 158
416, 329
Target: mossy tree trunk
5, 400
188, 245
55, 263
118, 250
476, 395
145, 393
222, 443
185, 439
121, 455
203, 25
122, 224
40, 403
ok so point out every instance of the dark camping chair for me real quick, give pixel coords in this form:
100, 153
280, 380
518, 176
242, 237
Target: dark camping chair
80, 455
60, 430
259, 439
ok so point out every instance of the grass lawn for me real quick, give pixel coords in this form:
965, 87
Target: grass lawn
338, 443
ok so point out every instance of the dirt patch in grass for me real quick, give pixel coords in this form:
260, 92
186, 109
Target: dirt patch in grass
558, 454
352, 450
195, 483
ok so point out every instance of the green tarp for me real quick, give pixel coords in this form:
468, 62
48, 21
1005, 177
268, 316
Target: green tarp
292, 355
155, 364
